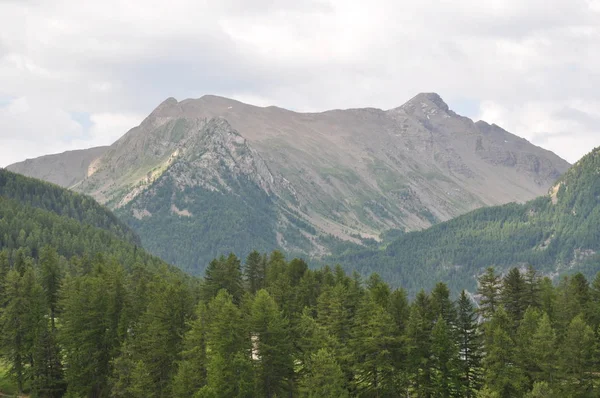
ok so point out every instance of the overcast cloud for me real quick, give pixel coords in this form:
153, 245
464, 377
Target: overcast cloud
76, 74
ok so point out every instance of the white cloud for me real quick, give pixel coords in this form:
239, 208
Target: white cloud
115, 60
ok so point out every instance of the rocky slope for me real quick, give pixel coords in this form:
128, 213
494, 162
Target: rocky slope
314, 177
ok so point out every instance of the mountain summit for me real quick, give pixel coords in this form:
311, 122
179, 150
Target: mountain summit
198, 168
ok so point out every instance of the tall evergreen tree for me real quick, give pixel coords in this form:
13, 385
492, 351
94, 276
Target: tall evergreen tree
445, 361
442, 304
503, 374
271, 347
470, 346
224, 273
489, 290
51, 279
543, 351
254, 272
576, 358
419, 329
192, 369
324, 377
512, 295
531, 295
373, 345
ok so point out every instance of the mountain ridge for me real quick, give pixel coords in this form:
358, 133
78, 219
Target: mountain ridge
342, 174
557, 233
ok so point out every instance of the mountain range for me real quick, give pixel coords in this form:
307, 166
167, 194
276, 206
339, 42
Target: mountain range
208, 176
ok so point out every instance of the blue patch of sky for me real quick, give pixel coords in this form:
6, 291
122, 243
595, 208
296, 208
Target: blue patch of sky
465, 106
83, 119
5, 99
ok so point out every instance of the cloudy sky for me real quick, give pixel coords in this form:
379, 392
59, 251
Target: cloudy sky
76, 74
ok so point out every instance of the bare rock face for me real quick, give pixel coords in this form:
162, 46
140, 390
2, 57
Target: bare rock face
347, 173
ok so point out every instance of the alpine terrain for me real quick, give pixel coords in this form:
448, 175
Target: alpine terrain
208, 176
557, 233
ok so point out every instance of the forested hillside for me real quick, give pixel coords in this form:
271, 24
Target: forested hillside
52, 198
85, 314
557, 233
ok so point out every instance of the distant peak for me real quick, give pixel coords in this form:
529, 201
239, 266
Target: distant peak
168, 102
433, 98
165, 107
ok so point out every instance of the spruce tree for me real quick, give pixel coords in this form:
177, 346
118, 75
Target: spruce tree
543, 351
323, 378
576, 358
445, 361
502, 372
512, 295
418, 332
373, 346
271, 347
51, 279
192, 369
469, 340
254, 272
489, 290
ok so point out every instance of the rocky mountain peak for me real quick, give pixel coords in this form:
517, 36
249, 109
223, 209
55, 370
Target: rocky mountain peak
426, 100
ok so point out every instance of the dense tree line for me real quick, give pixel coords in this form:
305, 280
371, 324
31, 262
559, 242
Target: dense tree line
90, 327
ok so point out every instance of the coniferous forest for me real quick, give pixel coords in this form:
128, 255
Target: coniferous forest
86, 312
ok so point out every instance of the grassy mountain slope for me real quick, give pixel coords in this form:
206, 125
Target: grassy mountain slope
64, 169
556, 233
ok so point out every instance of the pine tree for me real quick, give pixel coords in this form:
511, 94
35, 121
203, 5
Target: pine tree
192, 369
543, 351
13, 338
470, 346
531, 295
503, 375
541, 389
158, 336
524, 340
254, 272
87, 333
324, 377
379, 290
441, 304
51, 279
512, 295
224, 273
373, 345
418, 332
444, 361
272, 348
489, 290
576, 358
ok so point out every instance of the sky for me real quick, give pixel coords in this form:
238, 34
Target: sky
77, 74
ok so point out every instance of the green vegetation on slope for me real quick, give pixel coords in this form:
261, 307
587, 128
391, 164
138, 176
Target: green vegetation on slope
113, 323
558, 233
218, 223
52, 198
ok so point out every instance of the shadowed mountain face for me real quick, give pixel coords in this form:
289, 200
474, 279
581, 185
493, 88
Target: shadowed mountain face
197, 166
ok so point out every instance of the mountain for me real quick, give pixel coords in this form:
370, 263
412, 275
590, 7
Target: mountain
557, 233
198, 172
64, 169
